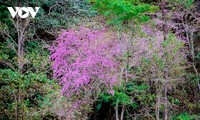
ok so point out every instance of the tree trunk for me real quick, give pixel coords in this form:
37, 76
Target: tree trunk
164, 38
116, 111
157, 102
122, 112
166, 100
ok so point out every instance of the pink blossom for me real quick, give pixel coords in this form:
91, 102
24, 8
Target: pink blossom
85, 57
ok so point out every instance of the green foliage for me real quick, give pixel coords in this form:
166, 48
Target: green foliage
37, 57
185, 3
119, 97
166, 57
124, 95
193, 78
119, 11
29, 87
176, 101
6, 53
198, 56
55, 15
4, 15
186, 116
183, 116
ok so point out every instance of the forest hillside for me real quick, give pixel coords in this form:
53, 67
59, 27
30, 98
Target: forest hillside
99, 60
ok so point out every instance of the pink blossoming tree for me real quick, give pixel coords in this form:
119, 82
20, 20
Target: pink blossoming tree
85, 60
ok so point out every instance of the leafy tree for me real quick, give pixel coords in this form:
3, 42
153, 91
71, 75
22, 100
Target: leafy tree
118, 12
124, 15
